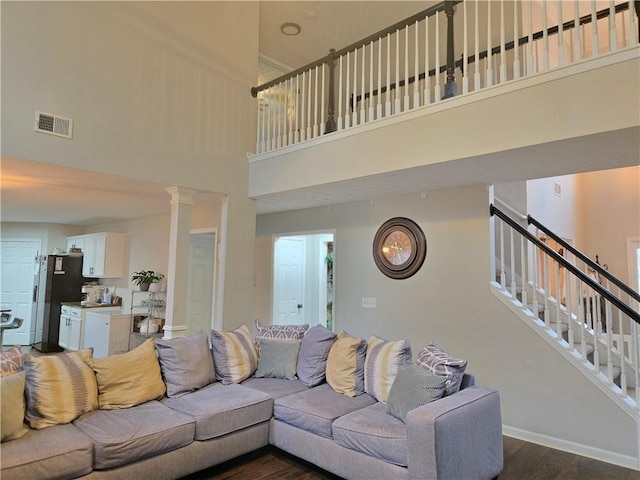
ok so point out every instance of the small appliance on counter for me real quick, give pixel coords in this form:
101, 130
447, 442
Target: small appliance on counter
94, 295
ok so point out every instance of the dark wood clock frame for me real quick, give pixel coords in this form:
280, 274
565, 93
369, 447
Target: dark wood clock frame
409, 266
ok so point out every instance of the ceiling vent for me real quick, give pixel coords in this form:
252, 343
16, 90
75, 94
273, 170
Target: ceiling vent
54, 125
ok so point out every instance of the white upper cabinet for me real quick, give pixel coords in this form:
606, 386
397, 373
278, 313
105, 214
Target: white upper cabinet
103, 253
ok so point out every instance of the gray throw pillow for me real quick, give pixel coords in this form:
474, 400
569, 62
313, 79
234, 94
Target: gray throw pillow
413, 387
314, 351
278, 359
186, 364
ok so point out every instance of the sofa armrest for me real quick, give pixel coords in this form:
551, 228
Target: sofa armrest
459, 436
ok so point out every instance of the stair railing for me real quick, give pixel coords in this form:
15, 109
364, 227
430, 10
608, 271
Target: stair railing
588, 316
412, 64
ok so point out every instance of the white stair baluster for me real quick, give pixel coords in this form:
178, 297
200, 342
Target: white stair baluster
347, 109
545, 37
437, 87
290, 115
613, 31
582, 315
547, 288
513, 263
427, 78
416, 71
303, 96
355, 88
476, 69
465, 51
362, 92
577, 40
560, 36
536, 277
309, 108
608, 323
622, 350
271, 112
523, 275
489, 59
594, 29
503, 52
371, 110
315, 105
379, 100
530, 63
503, 274
277, 114
557, 294
516, 42
387, 106
296, 135
339, 100
260, 143
569, 309
323, 88
632, 39
397, 104
406, 68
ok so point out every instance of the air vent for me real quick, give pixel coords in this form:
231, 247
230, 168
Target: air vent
54, 125
557, 189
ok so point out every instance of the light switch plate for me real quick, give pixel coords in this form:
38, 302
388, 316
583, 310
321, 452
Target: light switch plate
368, 302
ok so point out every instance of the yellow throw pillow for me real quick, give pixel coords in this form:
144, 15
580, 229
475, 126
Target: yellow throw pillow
59, 388
345, 365
12, 402
128, 379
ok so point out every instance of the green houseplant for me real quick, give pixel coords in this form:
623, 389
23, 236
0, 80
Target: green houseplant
144, 278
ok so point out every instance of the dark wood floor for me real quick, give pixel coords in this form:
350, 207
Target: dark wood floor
522, 461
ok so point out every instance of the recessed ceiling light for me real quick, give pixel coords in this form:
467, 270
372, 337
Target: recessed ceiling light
290, 28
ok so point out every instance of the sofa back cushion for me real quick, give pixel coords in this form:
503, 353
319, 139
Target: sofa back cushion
11, 361
439, 362
128, 379
278, 359
234, 355
381, 366
186, 364
12, 402
345, 365
312, 359
59, 388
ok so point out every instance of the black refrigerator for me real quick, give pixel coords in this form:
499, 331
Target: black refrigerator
63, 283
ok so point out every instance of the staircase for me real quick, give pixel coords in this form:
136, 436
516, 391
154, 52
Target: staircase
586, 314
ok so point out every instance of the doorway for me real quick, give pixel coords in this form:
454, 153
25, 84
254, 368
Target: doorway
303, 278
17, 290
201, 280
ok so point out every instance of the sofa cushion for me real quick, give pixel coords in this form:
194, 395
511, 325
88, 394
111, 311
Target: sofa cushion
314, 351
12, 406
413, 387
128, 379
371, 431
234, 355
437, 361
59, 388
186, 363
381, 365
59, 451
11, 361
220, 409
278, 359
127, 435
315, 409
275, 387
345, 365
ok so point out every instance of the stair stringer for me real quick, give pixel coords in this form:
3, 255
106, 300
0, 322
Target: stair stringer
628, 404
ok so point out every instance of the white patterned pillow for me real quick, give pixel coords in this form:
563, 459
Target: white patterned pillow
382, 363
437, 361
285, 333
234, 355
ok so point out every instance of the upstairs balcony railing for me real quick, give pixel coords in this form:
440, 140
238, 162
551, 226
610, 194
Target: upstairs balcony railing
453, 48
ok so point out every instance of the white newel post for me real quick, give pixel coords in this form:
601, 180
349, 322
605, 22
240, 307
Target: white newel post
178, 270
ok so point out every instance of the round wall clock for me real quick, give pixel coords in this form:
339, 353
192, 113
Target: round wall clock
399, 248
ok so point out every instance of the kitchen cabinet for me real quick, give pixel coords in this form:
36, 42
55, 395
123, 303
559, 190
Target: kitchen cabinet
107, 333
103, 253
73, 326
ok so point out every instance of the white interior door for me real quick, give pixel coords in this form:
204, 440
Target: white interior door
16, 291
202, 247
288, 284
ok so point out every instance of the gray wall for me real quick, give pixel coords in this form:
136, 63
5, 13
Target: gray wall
449, 301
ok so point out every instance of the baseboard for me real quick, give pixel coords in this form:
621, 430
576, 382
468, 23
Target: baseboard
571, 447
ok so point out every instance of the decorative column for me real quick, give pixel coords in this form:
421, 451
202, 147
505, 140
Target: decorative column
178, 270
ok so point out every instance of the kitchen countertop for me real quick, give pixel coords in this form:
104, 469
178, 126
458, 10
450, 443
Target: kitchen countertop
90, 305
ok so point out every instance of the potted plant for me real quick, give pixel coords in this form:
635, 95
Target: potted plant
144, 278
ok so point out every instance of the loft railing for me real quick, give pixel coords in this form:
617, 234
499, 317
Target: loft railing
412, 64
567, 299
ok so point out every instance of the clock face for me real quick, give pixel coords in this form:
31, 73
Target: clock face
399, 248
396, 247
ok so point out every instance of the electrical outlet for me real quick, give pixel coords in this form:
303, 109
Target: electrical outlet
368, 302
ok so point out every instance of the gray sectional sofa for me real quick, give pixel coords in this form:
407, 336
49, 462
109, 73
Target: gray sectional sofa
457, 437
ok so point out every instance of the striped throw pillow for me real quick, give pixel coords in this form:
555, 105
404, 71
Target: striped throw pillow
382, 363
234, 355
437, 361
59, 388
